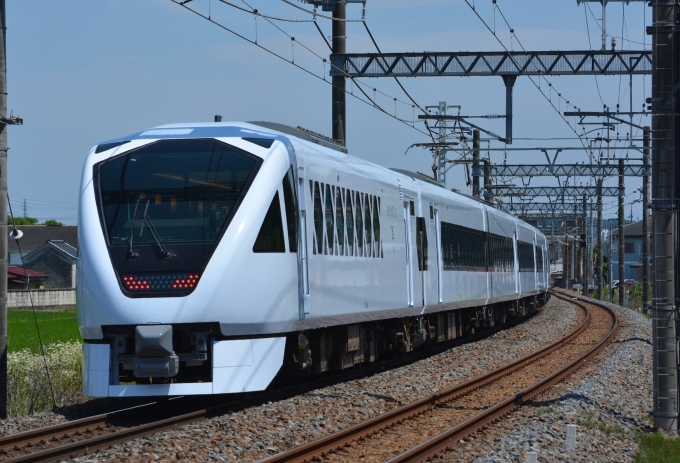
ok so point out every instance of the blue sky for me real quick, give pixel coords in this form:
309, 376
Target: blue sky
80, 72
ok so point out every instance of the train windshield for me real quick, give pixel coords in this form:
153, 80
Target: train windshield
187, 190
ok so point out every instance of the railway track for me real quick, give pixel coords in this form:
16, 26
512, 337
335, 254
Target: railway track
83, 436
423, 429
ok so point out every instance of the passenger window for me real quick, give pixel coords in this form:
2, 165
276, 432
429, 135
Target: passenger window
376, 225
339, 221
329, 221
290, 201
270, 237
360, 224
349, 223
318, 220
367, 224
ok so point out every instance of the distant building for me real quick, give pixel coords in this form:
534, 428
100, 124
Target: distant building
56, 258
633, 252
19, 278
36, 236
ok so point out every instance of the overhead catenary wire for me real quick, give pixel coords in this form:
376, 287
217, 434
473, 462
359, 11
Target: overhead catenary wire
222, 26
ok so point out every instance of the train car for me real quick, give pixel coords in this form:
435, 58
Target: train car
213, 257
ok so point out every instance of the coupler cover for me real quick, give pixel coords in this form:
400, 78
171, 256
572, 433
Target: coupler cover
154, 354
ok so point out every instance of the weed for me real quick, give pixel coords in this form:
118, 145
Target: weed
655, 448
28, 385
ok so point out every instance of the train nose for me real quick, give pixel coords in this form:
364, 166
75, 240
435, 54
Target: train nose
154, 354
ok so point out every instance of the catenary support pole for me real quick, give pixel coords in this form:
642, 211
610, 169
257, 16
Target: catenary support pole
487, 180
565, 261
622, 237
509, 81
3, 213
645, 226
611, 265
665, 75
339, 47
584, 245
600, 250
475, 162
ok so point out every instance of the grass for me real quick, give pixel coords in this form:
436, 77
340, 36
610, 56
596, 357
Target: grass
55, 327
655, 448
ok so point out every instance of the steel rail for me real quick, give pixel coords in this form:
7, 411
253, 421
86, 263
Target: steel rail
443, 441
324, 445
91, 444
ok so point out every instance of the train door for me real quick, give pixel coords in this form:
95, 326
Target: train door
438, 243
409, 210
303, 273
516, 262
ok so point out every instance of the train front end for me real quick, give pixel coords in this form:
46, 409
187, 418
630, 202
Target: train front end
173, 296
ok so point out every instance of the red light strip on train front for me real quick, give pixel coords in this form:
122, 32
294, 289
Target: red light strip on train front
161, 282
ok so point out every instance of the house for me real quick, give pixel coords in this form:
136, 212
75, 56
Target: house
633, 251
56, 258
36, 236
19, 278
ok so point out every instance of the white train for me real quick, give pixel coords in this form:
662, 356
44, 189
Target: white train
214, 256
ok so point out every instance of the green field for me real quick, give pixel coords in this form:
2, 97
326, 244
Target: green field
54, 327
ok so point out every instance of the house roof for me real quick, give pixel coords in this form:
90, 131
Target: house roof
37, 235
64, 247
18, 274
630, 230
65, 251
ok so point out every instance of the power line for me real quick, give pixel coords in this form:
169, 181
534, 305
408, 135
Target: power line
209, 19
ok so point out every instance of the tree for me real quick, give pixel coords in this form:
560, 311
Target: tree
22, 221
53, 223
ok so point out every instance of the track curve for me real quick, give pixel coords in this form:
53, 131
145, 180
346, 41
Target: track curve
421, 430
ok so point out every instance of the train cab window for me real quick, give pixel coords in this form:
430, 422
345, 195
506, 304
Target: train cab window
412, 208
421, 243
339, 221
360, 224
349, 223
189, 188
329, 221
290, 201
431, 212
318, 220
376, 226
368, 225
270, 237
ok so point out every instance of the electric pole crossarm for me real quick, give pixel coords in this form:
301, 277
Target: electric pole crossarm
558, 192
570, 170
516, 63
608, 115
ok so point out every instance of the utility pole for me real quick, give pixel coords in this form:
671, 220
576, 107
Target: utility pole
487, 180
622, 240
600, 250
475, 161
645, 225
3, 212
339, 47
665, 76
25, 209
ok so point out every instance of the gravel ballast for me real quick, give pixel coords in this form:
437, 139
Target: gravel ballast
609, 402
